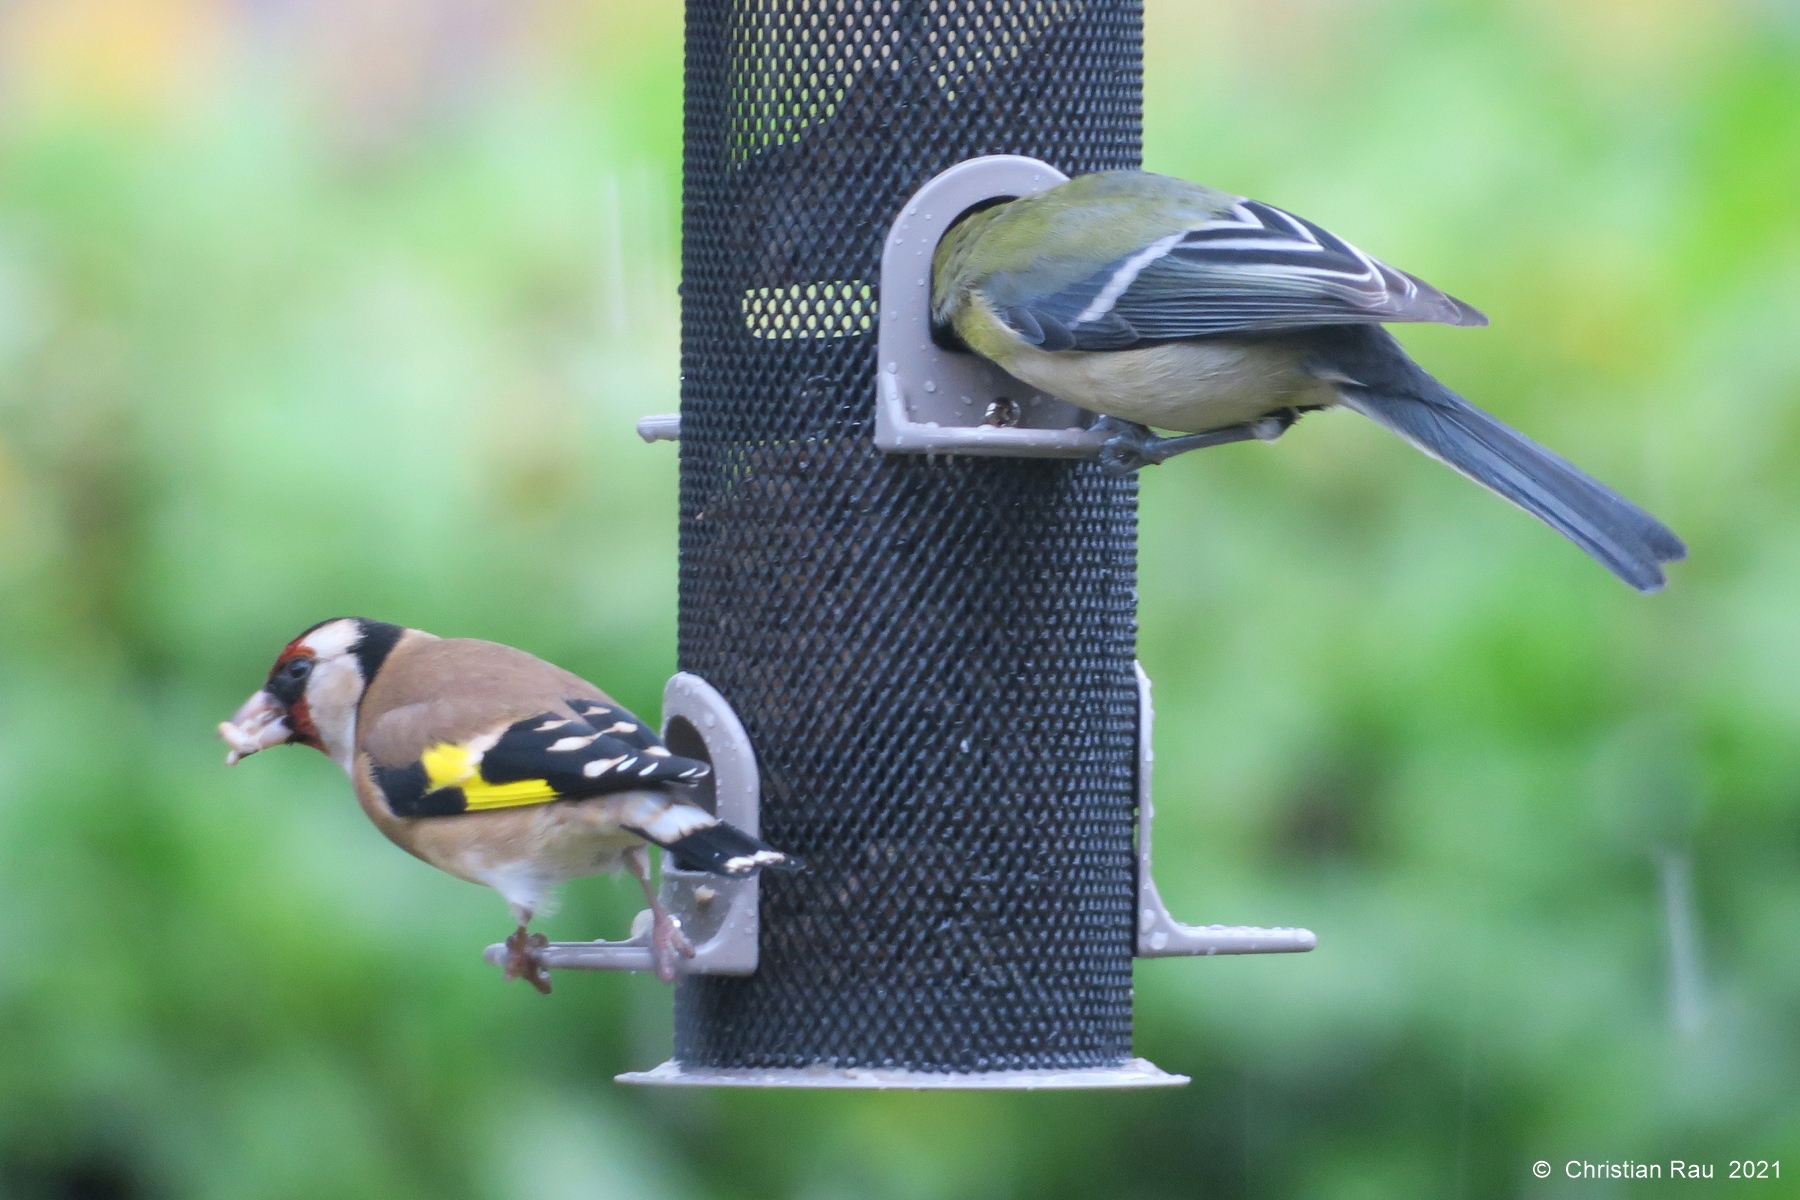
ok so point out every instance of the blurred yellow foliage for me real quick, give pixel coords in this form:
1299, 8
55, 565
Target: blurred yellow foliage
119, 56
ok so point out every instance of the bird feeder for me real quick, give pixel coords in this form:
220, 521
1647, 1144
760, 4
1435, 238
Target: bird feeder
911, 625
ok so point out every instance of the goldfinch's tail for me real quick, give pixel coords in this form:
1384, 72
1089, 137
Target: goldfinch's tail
721, 848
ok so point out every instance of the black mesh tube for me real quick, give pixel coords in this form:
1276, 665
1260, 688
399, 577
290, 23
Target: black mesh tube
933, 657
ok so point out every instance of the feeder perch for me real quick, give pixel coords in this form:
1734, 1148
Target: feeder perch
932, 400
1160, 935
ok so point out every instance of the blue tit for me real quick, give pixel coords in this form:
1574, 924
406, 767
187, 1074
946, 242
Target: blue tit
1161, 303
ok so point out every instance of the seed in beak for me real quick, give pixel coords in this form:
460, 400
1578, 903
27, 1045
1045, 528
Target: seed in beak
259, 724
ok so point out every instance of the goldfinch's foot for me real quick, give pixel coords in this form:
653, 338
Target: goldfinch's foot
1132, 447
668, 945
522, 961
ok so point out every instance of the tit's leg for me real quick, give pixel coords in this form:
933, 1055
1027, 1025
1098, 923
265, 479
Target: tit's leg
667, 942
521, 953
1131, 447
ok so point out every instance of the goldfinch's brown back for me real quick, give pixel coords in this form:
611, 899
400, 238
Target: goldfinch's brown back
433, 690
456, 725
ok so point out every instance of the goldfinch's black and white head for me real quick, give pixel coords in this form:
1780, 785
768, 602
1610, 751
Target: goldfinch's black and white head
313, 690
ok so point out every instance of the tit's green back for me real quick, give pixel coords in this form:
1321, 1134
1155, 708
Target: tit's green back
1090, 221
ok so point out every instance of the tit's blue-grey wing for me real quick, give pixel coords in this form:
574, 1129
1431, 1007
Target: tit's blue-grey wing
1251, 268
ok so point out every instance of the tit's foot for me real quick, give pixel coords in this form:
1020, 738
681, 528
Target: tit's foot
1126, 448
1131, 447
522, 961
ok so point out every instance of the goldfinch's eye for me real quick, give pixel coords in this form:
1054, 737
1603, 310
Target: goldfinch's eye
297, 669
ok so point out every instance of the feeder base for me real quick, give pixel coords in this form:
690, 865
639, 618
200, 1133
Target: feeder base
1134, 1073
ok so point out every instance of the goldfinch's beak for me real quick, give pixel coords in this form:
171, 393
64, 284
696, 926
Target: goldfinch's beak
261, 723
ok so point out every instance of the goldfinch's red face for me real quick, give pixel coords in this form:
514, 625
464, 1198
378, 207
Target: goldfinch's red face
312, 691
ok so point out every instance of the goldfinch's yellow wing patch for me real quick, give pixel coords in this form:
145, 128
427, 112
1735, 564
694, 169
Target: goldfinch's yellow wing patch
459, 766
548, 757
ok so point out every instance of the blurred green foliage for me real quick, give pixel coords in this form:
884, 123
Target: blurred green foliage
310, 308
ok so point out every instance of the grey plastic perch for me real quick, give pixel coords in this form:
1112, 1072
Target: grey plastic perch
1161, 935
932, 400
662, 427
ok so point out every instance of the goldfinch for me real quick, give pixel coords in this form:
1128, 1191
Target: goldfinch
1158, 302
494, 766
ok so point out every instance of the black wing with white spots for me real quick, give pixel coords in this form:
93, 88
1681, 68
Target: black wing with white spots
547, 757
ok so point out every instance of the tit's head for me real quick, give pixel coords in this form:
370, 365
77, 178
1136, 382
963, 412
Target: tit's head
312, 691
957, 266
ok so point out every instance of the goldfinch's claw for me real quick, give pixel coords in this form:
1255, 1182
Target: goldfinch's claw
667, 945
522, 960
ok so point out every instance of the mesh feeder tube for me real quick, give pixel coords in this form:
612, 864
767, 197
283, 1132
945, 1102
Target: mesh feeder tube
933, 656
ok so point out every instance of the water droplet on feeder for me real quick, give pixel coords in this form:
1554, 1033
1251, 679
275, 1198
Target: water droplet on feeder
930, 386
1002, 413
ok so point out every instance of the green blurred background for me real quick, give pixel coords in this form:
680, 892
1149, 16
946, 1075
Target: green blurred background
321, 306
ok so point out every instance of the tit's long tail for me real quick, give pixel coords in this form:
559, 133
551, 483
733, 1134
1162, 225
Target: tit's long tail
1398, 393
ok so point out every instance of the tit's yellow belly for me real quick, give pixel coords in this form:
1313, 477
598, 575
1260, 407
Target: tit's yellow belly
1189, 387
